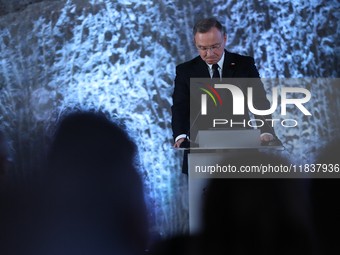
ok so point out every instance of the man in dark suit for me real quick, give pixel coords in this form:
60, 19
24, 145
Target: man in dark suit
214, 61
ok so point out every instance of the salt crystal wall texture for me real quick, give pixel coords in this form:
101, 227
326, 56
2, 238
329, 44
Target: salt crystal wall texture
119, 57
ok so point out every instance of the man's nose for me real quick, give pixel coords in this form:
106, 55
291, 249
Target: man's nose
210, 52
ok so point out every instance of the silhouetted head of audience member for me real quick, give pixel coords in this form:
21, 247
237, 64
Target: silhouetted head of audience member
86, 141
91, 200
325, 193
92, 166
258, 216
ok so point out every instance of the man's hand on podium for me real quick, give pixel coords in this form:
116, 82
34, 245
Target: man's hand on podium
267, 137
178, 143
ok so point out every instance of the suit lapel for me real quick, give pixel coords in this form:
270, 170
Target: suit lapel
228, 69
201, 69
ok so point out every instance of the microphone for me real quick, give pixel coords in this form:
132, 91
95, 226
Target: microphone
186, 142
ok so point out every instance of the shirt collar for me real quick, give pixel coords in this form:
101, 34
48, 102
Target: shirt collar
220, 62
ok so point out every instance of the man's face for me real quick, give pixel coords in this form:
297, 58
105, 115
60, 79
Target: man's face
210, 45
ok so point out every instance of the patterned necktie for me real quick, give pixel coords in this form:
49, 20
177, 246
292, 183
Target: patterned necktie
216, 73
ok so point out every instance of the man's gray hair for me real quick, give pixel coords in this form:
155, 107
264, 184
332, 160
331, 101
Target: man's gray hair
204, 25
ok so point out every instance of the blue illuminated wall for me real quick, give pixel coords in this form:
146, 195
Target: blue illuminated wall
119, 57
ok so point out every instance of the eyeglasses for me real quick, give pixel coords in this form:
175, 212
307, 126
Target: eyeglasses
212, 48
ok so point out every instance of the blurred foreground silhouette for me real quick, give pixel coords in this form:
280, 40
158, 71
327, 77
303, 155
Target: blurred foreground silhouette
90, 199
325, 197
4, 158
252, 216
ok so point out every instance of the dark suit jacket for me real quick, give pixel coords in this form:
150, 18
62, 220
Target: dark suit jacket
243, 67
196, 68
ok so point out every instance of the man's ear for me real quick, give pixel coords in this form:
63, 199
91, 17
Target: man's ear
194, 40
